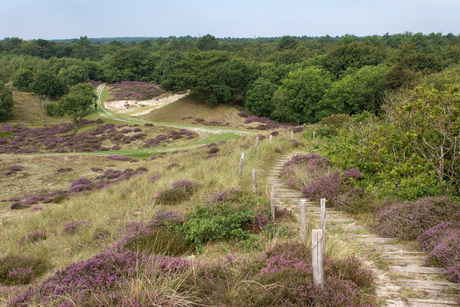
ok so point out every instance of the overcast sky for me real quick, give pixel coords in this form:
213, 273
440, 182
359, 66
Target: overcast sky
59, 19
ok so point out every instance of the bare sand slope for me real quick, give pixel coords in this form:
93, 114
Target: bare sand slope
141, 107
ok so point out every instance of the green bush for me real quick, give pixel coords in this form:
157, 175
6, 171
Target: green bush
159, 242
217, 222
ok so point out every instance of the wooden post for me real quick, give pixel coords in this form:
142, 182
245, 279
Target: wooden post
314, 134
270, 138
272, 202
303, 220
257, 141
317, 256
241, 167
323, 220
254, 180
292, 135
242, 155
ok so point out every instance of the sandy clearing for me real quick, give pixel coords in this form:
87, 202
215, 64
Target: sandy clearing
141, 107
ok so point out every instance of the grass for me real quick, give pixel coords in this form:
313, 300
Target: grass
111, 210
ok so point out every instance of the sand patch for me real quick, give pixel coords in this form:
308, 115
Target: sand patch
141, 107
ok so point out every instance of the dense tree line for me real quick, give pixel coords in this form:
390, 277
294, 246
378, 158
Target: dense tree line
293, 79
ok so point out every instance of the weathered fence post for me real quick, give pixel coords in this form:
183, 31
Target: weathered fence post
257, 141
292, 135
314, 133
323, 220
272, 202
317, 256
254, 180
240, 171
270, 138
303, 220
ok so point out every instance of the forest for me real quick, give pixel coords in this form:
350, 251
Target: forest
299, 80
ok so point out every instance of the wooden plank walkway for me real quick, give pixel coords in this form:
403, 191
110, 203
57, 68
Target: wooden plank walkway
404, 272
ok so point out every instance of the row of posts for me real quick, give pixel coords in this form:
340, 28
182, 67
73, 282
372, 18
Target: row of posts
318, 235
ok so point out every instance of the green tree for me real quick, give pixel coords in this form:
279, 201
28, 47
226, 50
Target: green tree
287, 42
22, 79
131, 64
78, 102
6, 102
73, 75
259, 97
45, 86
297, 99
360, 90
212, 77
207, 42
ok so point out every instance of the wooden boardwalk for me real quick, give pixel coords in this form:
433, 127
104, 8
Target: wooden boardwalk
403, 280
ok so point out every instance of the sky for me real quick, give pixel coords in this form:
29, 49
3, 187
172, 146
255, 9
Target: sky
61, 19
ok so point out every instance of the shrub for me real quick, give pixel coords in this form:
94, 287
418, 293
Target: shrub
328, 186
172, 165
214, 150
217, 222
16, 168
443, 244
32, 237
10, 173
118, 158
154, 178
180, 190
410, 219
19, 205
242, 114
19, 270
74, 227
64, 170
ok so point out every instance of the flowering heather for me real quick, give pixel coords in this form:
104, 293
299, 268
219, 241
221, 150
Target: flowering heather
410, 219
10, 173
135, 90
17, 270
154, 178
261, 137
19, 205
73, 227
328, 186
180, 190
443, 244
275, 133
16, 168
118, 158
32, 237
36, 209
214, 150
172, 165
64, 170
229, 195
210, 156
351, 174
186, 185
176, 136
133, 160
242, 114
105, 276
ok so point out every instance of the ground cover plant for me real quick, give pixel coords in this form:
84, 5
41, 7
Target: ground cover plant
135, 90
59, 139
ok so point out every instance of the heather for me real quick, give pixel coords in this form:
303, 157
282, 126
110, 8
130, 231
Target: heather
409, 219
135, 90
180, 190
16, 270
442, 242
315, 176
61, 139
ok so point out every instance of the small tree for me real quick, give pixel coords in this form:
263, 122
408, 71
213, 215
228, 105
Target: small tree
6, 102
45, 86
78, 102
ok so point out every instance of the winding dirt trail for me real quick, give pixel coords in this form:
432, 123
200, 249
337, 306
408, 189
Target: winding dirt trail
203, 132
402, 280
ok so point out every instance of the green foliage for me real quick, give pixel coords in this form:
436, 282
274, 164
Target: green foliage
298, 97
259, 97
6, 102
217, 222
73, 75
47, 85
350, 55
207, 42
131, 64
212, 76
360, 90
287, 42
77, 103
22, 79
